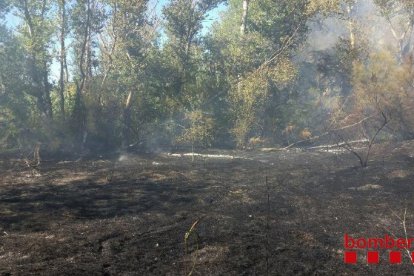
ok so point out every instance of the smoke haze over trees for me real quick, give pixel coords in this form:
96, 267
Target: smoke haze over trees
95, 75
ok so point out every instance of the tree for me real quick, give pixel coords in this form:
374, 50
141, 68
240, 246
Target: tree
243, 26
400, 16
15, 104
36, 33
126, 45
259, 61
183, 24
87, 17
199, 131
64, 74
383, 86
187, 91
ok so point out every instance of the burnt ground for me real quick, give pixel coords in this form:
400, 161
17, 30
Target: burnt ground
129, 215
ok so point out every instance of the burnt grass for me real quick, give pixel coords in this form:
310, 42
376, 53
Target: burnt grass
129, 215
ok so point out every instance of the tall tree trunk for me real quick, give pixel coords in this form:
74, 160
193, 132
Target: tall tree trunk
46, 92
62, 7
80, 109
351, 26
243, 26
126, 131
83, 68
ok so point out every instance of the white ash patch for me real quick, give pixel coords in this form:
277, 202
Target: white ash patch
367, 187
219, 156
398, 174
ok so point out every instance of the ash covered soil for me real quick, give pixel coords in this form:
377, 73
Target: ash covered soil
128, 215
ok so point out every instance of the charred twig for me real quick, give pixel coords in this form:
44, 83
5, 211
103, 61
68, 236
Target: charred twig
371, 142
405, 232
110, 177
403, 221
345, 144
267, 226
363, 160
192, 232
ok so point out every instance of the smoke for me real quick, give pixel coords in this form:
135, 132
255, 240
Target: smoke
368, 24
324, 34
123, 158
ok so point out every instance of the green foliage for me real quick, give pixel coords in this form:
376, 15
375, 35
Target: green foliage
199, 130
258, 63
15, 103
383, 85
136, 80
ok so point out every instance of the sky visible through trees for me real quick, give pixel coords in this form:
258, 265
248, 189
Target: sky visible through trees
12, 21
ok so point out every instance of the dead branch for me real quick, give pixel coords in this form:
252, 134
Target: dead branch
347, 146
371, 142
329, 132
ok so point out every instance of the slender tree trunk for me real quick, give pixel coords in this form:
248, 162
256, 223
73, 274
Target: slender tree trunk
351, 26
80, 111
127, 120
243, 26
62, 8
84, 51
46, 92
243, 29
